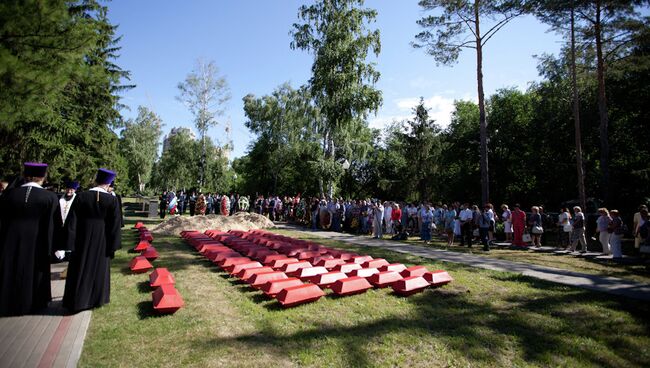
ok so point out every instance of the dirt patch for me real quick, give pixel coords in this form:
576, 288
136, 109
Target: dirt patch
240, 221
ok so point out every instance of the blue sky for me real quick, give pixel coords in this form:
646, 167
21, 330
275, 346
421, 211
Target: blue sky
249, 41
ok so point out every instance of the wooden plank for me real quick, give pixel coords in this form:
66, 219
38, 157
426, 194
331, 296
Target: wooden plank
78, 344
43, 341
8, 326
25, 337
65, 350
9, 340
55, 343
30, 344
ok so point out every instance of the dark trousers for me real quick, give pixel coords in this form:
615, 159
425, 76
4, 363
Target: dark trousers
192, 208
466, 234
484, 234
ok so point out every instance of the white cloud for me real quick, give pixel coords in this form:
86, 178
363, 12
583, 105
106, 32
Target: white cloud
440, 108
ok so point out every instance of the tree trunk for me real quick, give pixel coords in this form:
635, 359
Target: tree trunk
485, 176
602, 106
330, 187
576, 118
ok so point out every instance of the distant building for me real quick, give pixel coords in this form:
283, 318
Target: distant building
175, 132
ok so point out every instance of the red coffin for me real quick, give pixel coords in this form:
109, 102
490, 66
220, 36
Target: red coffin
219, 258
385, 278
307, 273
350, 286
138, 225
278, 264
259, 279
347, 267
361, 259
161, 276
295, 266
295, 295
327, 279
268, 259
166, 299
410, 285
413, 271
375, 263
330, 263
140, 264
308, 254
142, 245
213, 253
438, 278
363, 272
146, 236
228, 263
397, 267
242, 266
272, 288
246, 274
150, 253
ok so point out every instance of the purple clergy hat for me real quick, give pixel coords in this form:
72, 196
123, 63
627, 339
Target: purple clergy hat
35, 169
105, 176
72, 184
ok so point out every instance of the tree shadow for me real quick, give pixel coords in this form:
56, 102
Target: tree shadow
144, 287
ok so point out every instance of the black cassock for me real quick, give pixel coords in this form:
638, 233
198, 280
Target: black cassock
27, 224
93, 227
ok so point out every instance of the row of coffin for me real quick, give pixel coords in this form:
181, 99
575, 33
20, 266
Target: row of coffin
165, 298
296, 271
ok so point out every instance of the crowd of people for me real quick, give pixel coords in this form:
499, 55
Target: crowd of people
463, 224
38, 224
201, 204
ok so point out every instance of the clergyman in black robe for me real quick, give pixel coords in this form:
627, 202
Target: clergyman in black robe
28, 217
93, 229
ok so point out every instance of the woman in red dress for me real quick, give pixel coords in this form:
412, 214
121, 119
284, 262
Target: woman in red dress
518, 226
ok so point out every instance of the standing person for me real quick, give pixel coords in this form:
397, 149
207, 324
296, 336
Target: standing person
388, 218
28, 218
617, 230
506, 217
484, 223
518, 226
578, 233
490, 212
603, 228
200, 205
162, 205
65, 202
93, 237
536, 228
637, 223
565, 228
427, 224
209, 203
466, 222
378, 215
192, 203
111, 190
224, 207
313, 210
450, 220
396, 218
181, 202
413, 218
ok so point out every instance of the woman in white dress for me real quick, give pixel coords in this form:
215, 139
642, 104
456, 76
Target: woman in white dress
506, 217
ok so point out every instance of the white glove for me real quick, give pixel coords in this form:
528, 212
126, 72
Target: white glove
59, 254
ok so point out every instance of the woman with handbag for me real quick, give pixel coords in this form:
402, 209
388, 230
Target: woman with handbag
536, 228
564, 223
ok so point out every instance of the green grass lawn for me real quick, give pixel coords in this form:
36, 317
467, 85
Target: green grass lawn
484, 318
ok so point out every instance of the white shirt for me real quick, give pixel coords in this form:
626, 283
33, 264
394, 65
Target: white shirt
65, 206
466, 215
387, 212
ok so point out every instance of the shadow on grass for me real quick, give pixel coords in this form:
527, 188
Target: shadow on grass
144, 287
146, 311
537, 327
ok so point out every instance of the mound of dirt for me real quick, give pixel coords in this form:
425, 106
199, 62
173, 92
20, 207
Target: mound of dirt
240, 221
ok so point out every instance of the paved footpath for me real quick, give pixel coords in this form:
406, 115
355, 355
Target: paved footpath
49, 339
612, 285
